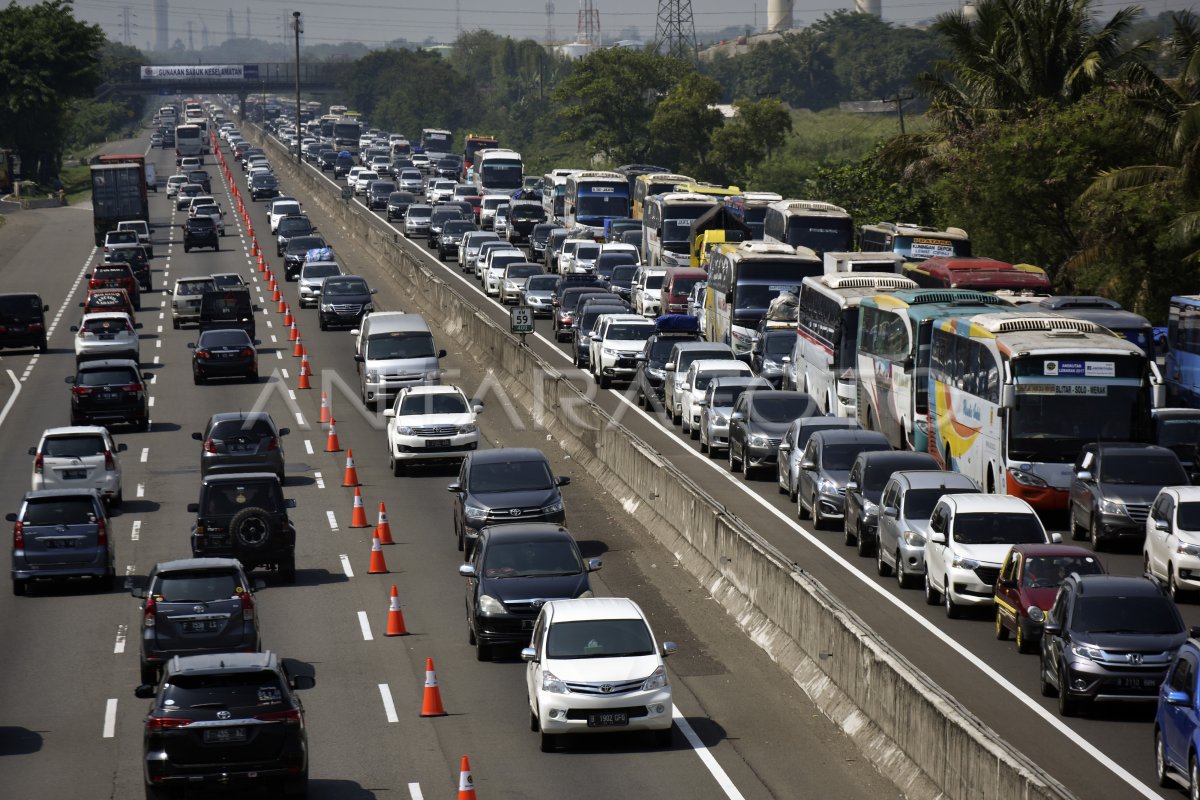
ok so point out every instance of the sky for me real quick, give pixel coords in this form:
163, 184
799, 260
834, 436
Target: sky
375, 22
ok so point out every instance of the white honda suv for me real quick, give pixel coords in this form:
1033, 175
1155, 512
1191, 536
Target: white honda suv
594, 667
430, 423
616, 342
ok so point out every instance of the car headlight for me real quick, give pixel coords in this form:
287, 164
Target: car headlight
655, 372
962, 562
913, 539
870, 509
826, 486
326, 307
1036, 614
369, 308
758, 440
608, 351
475, 512
469, 427
372, 376
1187, 549
657, 680
1108, 506
1027, 479
404, 430
588, 593
551, 684
1087, 651
553, 508
489, 605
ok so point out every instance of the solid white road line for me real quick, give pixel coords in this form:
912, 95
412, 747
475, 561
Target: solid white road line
122, 632
414, 792
706, 758
308, 448
346, 568
333, 526
320, 479
110, 718
389, 706
365, 625
141, 490
145, 454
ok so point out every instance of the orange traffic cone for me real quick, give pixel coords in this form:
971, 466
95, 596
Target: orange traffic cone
466, 784
293, 332
253, 248
262, 264
276, 295
305, 367
279, 309
326, 412
298, 350
351, 478
303, 383
358, 516
288, 319
431, 704
249, 228
378, 566
383, 530
396, 617
331, 442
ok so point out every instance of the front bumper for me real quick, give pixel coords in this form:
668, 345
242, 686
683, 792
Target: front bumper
416, 448
568, 713
967, 589
1089, 680
1112, 527
767, 455
504, 629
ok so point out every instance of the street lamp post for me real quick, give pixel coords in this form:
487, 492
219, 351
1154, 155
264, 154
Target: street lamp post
299, 29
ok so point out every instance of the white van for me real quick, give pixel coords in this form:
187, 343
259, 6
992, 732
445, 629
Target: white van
394, 350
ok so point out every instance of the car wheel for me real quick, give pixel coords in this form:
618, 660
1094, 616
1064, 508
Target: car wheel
851, 539
1044, 686
175, 324
148, 673
881, 567
1078, 533
791, 490
1098, 544
1024, 643
1067, 705
296, 787
866, 548
733, 465
20, 588
703, 444
1193, 777
549, 742
1001, 629
953, 610
801, 511
818, 519
43, 345
902, 578
1160, 761
187, 249
932, 596
460, 540
118, 499
143, 424
533, 721
154, 792
397, 467
197, 378
605, 382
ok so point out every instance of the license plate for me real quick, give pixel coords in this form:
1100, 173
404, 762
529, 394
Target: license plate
60, 544
202, 626
608, 719
74, 474
227, 355
223, 735
437, 442
1137, 683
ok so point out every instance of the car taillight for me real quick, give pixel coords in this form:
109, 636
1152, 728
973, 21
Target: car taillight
132, 387
38, 464
19, 535
273, 443
109, 464
101, 533
203, 355
81, 391
247, 606
155, 723
290, 716
210, 446
149, 615
33, 326
4, 328
246, 352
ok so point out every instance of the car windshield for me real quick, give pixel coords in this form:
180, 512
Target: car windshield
511, 476
919, 503
1147, 615
106, 325
302, 244
1048, 572
599, 638
346, 287
89, 444
285, 208
1143, 470
546, 283
629, 333
703, 379
459, 226
531, 559
321, 270
295, 226
226, 338
106, 377
59, 511
207, 210
781, 407
998, 527
587, 252
779, 343
201, 222
726, 396
240, 693
232, 498
1188, 516
440, 403
840, 457
197, 587
518, 271
194, 287
400, 345
623, 274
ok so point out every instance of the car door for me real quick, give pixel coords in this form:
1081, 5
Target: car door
737, 425
1155, 546
533, 669
887, 524
854, 487
595, 344
935, 554
1083, 489
1008, 587
472, 589
1178, 721
1166, 541
806, 477
1052, 644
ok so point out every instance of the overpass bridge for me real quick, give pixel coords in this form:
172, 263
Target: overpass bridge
235, 79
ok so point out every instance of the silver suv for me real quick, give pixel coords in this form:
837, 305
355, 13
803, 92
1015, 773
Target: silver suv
904, 509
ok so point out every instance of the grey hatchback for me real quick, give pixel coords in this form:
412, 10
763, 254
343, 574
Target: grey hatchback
61, 533
194, 606
242, 441
825, 469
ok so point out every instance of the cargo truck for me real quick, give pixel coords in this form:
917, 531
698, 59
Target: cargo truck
118, 193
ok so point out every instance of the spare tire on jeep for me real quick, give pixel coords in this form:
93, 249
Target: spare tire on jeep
251, 528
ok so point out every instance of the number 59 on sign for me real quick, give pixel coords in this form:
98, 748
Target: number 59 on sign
521, 320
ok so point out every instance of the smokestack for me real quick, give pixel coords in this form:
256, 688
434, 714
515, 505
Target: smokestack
872, 7
160, 24
779, 15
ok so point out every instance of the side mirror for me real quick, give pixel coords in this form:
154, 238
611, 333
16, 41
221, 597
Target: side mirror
46, 307
669, 368
441, 353
562, 480
70, 379
86, 275
193, 508
668, 648
1179, 698
1083, 475
737, 416
808, 464
81, 305
937, 537
355, 332
284, 431
702, 403
390, 413
1056, 538
454, 488
890, 511
374, 291
787, 359
199, 437
121, 448
1006, 583
74, 329
594, 564
529, 654
33, 451
467, 570
137, 326
1161, 525
1052, 629
477, 408
146, 691
785, 447
851, 486
258, 584
302, 682
289, 503
359, 357
191, 345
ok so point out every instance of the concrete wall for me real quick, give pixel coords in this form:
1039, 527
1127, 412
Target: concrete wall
917, 735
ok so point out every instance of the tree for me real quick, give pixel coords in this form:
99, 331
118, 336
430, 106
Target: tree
684, 121
47, 58
757, 129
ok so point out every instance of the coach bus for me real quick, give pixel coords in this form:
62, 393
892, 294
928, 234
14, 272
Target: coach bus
667, 227
436, 140
824, 353
632, 171
554, 192
743, 279
1013, 397
1183, 351
981, 274
650, 184
751, 208
498, 171
189, 141
346, 135
893, 357
473, 144
809, 223
593, 196
914, 242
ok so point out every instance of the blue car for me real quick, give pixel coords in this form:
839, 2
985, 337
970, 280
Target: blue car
1176, 728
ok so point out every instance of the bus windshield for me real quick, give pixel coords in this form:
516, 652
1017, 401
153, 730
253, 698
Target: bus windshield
601, 205
1054, 427
821, 233
501, 174
677, 223
757, 296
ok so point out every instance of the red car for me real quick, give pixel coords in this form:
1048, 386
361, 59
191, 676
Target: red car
1028, 584
116, 276
107, 300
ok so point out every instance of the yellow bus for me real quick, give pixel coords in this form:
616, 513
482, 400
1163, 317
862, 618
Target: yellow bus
651, 184
700, 187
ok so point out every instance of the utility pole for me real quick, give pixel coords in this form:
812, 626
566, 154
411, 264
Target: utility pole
189, 30
899, 100
298, 27
203, 35
675, 32
248, 22
550, 22
230, 33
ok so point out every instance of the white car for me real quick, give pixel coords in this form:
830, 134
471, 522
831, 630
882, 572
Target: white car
590, 662
699, 375
616, 342
566, 255
382, 165
969, 537
173, 184
585, 257
142, 229
487, 209
281, 209
312, 279
81, 457
441, 191
188, 163
430, 423
352, 175
500, 221
363, 180
479, 261
1172, 549
469, 246
107, 334
497, 262
646, 293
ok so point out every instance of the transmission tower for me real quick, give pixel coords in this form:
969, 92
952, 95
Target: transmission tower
550, 22
588, 28
675, 32
127, 25
458, 17
229, 31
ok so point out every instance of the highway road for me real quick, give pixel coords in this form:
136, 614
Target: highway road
69, 724
1106, 753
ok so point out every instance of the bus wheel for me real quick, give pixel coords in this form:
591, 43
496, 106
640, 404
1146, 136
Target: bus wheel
991, 482
946, 457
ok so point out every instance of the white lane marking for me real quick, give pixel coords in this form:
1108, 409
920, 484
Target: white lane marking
161, 315
333, 526
285, 375
269, 325
141, 490
110, 718
162, 303
320, 479
274, 338
279, 355
145, 454
156, 358
119, 646
160, 326
365, 625
12, 398
389, 706
706, 757
158, 343
346, 568
291, 395
135, 531
299, 419
150, 401
308, 448
414, 792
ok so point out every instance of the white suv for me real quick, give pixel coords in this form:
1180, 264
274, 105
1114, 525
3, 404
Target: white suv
646, 292
430, 423
1172, 549
699, 375
594, 667
81, 457
615, 345
969, 537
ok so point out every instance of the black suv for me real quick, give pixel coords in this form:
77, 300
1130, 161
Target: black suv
109, 391
398, 203
194, 606
378, 193
1113, 486
225, 718
326, 159
200, 232
228, 308
451, 237
243, 515
296, 252
522, 218
23, 321
344, 301
138, 259
201, 177
1108, 638
290, 227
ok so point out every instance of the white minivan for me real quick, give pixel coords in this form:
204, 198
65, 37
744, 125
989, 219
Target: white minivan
394, 350
79, 457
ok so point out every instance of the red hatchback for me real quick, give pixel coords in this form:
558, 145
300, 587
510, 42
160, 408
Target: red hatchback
116, 276
107, 300
1028, 583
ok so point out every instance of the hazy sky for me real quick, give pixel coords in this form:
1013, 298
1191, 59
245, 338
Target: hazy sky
377, 21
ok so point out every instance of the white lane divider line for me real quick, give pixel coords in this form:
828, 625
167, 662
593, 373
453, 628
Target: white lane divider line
110, 718
269, 325
706, 758
346, 568
160, 326
135, 531
150, 401
141, 490
300, 419
414, 791
122, 633
273, 338
320, 479
279, 355
158, 343
333, 526
291, 394
12, 398
145, 455
156, 359
308, 448
285, 375
389, 705
128, 576
365, 624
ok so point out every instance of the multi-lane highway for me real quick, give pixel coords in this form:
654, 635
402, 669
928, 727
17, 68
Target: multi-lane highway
70, 726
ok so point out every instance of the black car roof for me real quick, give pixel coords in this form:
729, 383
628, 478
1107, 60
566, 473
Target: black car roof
500, 455
916, 460
1117, 585
1130, 448
849, 436
526, 532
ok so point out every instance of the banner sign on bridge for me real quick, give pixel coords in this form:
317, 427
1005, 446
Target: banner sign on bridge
232, 72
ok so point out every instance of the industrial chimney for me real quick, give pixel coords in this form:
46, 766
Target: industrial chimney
873, 7
779, 15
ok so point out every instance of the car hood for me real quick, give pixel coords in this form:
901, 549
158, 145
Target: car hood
838, 476
421, 420
992, 554
546, 587
535, 498
1042, 597
777, 430
608, 670
629, 346
1145, 642
1129, 494
341, 299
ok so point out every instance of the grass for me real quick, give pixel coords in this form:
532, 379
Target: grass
833, 136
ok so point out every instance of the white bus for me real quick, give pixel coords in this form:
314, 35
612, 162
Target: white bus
809, 223
189, 141
593, 196
1014, 396
667, 227
498, 171
743, 279
554, 192
892, 376
824, 354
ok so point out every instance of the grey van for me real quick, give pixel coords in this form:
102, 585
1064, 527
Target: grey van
394, 350
905, 507
61, 533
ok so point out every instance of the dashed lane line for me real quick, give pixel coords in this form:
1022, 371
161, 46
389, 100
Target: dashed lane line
145, 455
333, 525
365, 625
346, 568
110, 718
135, 531
119, 645
389, 705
